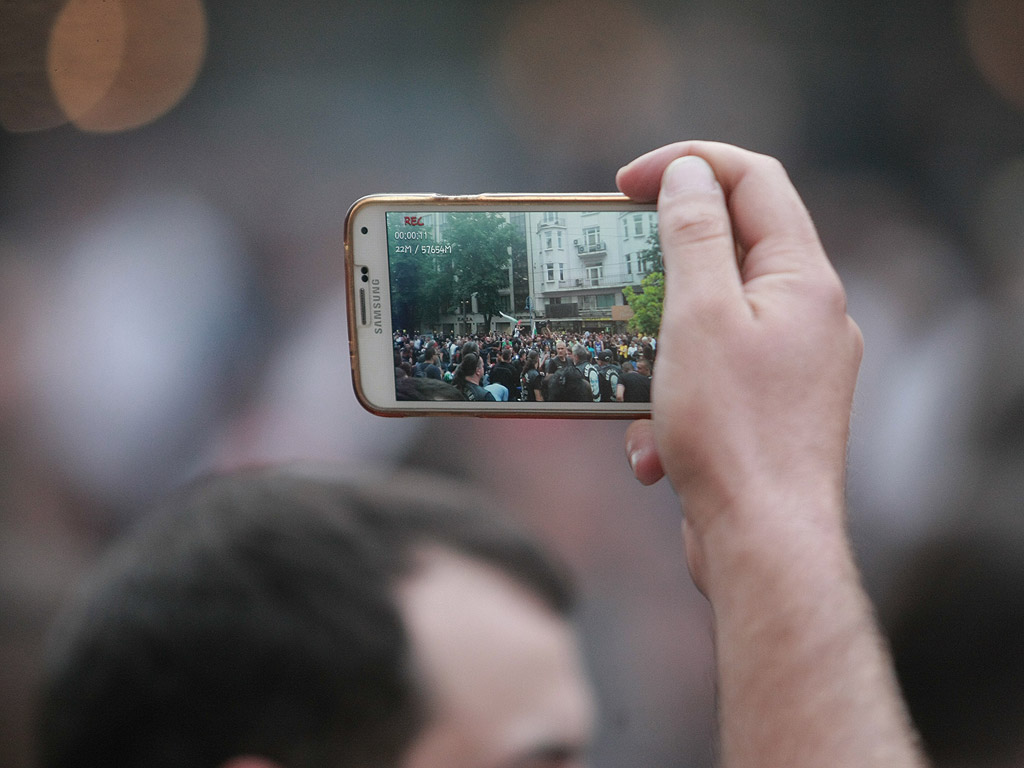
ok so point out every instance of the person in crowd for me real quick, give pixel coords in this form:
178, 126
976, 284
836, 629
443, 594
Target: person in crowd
429, 366
610, 374
561, 358
425, 388
296, 617
581, 360
468, 377
532, 379
635, 386
566, 385
504, 374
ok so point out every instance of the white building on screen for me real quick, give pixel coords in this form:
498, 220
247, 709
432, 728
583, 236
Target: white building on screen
580, 262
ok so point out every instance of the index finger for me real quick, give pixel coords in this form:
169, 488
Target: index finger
768, 216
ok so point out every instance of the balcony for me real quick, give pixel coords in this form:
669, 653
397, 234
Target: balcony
592, 254
548, 223
574, 285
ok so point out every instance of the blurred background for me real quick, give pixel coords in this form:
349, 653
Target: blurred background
174, 176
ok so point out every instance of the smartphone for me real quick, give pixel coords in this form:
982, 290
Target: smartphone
502, 305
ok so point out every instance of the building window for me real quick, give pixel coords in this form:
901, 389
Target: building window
605, 300
594, 275
638, 223
561, 242
592, 235
550, 273
547, 241
625, 228
561, 271
629, 264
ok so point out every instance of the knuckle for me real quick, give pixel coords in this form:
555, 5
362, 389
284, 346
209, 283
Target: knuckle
772, 165
693, 224
833, 297
824, 293
709, 309
856, 339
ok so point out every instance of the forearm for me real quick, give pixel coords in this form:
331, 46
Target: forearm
804, 678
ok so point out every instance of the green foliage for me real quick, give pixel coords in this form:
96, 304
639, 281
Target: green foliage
480, 244
431, 279
651, 257
647, 304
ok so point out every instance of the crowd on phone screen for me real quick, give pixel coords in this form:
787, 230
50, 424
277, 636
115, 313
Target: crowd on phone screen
547, 367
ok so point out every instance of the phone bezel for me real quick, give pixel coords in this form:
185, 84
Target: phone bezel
372, 354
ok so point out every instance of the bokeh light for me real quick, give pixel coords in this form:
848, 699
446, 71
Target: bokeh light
567, 72
995, 38
103, 65
160, 49
86, 52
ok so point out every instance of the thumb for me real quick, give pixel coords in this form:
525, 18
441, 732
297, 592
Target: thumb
696, 234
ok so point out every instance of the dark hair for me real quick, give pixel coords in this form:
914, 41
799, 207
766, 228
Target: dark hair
469, 365
257, 616
425, 388
566, 385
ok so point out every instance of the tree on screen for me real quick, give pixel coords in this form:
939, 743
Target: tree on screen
482, 246
647, 304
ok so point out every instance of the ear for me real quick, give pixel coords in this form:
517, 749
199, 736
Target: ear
250, 761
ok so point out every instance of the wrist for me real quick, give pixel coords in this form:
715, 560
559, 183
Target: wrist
773, 534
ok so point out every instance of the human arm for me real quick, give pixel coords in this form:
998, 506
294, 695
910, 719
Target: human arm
751, 399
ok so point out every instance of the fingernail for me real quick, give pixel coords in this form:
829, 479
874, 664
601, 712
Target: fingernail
688, 174
632, 458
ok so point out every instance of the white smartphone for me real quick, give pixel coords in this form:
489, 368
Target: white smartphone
503, 305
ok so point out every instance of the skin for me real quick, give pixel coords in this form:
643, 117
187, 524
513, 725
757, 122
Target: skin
503, 671
757, 363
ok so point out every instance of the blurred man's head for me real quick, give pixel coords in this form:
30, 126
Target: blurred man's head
272, 618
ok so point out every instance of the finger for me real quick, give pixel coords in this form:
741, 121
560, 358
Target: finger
642, 453
641, 178
696, 236
768, 216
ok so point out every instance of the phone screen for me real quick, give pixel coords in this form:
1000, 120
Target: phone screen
524, 306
